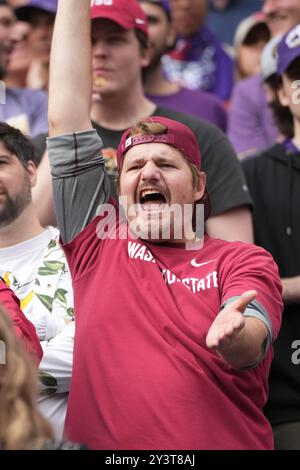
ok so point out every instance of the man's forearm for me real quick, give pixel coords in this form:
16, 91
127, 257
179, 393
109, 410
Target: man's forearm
291, 289
247, 347
70, 69
233, 225
42, 194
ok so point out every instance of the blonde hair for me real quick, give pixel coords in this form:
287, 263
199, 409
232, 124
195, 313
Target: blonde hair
21, 424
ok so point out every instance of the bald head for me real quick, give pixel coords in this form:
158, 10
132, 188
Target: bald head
281, 15
189, 15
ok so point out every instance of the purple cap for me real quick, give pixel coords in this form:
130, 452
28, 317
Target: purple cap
288, 49
23, 12
161, 3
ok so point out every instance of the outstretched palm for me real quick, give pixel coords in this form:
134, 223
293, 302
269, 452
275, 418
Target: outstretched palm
229, 322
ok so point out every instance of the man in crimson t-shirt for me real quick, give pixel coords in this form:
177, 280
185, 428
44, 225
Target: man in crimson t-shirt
172, 349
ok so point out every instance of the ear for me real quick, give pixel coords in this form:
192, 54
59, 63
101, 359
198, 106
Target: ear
171, 38
146, 54
200, 188
284, 100
32, 172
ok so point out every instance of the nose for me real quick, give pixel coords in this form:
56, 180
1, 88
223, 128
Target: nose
269, 7
19, 34
99, 49
8, 40
181, 4
150, 172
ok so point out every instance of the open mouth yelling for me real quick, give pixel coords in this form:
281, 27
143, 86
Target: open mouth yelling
152, 200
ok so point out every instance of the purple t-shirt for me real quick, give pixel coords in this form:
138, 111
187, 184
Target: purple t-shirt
195, 102
26, 110
250, 122
200, 62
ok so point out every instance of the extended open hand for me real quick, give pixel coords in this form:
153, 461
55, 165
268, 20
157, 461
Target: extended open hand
229, 322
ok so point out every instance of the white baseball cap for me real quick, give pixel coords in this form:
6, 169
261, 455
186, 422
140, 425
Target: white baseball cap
268, 59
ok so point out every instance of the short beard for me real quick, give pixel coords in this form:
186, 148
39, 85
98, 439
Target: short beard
13, 207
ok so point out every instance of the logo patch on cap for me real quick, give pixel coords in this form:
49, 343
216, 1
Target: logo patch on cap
128, 142
101, 3
293, 38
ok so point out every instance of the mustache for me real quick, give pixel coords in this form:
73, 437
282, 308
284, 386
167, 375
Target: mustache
276, 16
3, 190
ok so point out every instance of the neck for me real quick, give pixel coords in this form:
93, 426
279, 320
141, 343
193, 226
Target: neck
296, 138
16, 79
119, 111
156, 84
25, 227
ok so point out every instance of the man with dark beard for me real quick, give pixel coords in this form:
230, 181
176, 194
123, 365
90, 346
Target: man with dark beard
33, 265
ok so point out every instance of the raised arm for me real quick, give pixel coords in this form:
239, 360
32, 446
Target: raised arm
80, 183
70, 69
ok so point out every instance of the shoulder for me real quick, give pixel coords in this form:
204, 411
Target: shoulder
203, 97
6, 293
30, 96
200, 127
248, 83
263, 160
104, 226
231, 252
53, 233
249, 88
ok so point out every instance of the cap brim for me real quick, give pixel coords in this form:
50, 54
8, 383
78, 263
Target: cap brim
24, 13
116, 19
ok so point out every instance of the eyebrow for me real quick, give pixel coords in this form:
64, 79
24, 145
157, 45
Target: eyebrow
158, 158
7, 155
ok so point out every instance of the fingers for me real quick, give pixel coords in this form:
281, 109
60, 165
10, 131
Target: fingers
220, 335
241, 303
229, 321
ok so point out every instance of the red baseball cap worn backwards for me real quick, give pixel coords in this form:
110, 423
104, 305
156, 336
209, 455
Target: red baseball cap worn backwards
178, 135
126, 13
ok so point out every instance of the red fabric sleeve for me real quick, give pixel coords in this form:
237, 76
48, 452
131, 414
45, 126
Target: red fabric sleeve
23, 328
252, 267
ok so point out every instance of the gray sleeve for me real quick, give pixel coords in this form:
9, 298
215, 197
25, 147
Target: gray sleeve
256, 310
80, 183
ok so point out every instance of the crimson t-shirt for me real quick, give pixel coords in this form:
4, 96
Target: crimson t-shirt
143, 377
23, 328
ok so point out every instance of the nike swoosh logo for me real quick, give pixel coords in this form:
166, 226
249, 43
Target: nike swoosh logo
197, 265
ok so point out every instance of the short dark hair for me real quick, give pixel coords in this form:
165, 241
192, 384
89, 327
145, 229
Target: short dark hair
282, 115
142, 39
16, 143
293, 70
